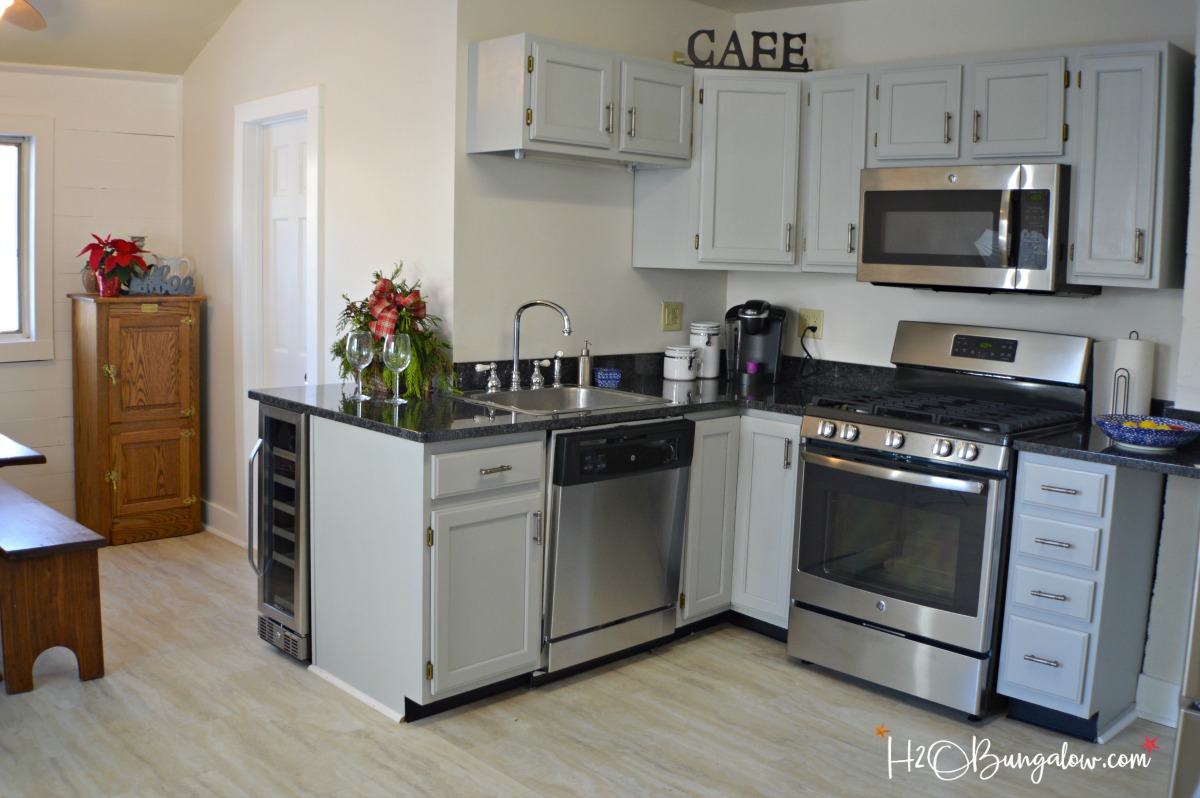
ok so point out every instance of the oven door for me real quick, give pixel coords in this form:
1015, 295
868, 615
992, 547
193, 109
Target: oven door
901, 547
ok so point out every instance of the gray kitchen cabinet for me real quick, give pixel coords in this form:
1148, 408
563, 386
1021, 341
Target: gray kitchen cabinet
527, 94
765, 528
426, 562
1084, 541
707, 574
1018, 108
1131, 203
918, 113
835, 153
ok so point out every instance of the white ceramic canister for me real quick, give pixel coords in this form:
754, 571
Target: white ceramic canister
706, 337
680, 363
678, 392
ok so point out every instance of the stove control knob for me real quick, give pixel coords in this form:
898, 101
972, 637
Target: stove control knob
826, 429
968, 451
893, 439
942, 447
849, 432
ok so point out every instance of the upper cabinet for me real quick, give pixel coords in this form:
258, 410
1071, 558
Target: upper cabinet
1131, 205
526, 94
835, 151
1018, 108
918, 113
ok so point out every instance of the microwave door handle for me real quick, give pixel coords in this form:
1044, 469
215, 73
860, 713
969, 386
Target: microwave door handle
1003, 232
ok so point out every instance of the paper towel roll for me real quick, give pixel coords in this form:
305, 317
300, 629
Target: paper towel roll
1126, 365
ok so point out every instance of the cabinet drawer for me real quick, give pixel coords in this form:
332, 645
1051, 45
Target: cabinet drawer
1051, 592
1072, 544
1046, 658
456, 473
1063, 488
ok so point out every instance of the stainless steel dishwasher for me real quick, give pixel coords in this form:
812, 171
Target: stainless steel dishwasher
615, 535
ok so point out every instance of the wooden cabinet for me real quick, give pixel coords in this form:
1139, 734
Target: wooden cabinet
707, 583
1131, 206
918, 113
1084, 541
137, 415
1018, 108
535, 95
766, 517
835, 153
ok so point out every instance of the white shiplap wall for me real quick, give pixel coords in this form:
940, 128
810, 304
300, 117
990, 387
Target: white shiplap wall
117, 171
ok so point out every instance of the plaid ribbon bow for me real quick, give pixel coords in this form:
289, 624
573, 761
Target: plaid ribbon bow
385, 304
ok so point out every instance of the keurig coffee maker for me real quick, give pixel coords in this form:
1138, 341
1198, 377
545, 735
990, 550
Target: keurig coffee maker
754, 342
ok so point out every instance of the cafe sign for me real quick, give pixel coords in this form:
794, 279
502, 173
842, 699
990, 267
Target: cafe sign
781, 52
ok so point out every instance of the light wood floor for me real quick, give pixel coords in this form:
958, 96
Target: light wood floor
195, 705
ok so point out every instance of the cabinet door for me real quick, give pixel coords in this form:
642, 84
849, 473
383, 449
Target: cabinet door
749, 169
918, 113
150, 355
486, 590
836, 152
1018, 108
1117, 160
572, 96
656, 103
766, 519
712, 499
152, 472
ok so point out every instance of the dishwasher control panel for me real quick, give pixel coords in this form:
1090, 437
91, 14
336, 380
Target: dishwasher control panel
611, 452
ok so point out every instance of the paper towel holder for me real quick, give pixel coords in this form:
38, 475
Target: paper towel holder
1121, 383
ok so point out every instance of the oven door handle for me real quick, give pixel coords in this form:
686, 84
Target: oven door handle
896, 474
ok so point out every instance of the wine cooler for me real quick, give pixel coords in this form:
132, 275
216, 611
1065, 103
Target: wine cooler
277, 537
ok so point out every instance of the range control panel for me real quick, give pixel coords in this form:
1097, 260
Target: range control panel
984, 348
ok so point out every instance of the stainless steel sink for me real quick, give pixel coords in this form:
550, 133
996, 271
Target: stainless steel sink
567, 399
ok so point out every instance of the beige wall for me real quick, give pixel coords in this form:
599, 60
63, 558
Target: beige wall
116, 172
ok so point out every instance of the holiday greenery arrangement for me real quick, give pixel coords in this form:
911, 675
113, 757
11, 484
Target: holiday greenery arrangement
395, 306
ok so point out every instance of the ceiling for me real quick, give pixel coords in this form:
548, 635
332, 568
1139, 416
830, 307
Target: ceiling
141, 35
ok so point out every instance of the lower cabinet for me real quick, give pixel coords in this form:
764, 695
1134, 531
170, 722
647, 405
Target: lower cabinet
707, 573
426, 562
768, 470
1084, 541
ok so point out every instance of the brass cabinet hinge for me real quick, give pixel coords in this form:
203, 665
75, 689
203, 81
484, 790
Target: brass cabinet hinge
808, 99
1066, 78
529, 64
875, 140
876, 91
429, 536
111, 476
1071, 251
682, 601
188, 320
697, 244
187, 433
188, 501
428, 671
110, 372
187, 412
528, 116
804, 244
1066, 131
1079, 79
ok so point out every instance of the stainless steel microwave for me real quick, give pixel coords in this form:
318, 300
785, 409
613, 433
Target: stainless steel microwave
987, 228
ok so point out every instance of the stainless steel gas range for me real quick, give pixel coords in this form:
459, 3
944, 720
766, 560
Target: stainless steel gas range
905, 506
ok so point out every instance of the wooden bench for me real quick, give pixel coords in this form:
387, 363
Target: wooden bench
49, 589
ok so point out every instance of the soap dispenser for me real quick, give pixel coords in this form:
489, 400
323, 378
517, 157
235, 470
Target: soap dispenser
585, 364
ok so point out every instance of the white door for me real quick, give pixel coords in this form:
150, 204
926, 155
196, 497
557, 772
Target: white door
712, 498
837, 143
285, 221
918, 113
656, 103
572, 93
1018, 108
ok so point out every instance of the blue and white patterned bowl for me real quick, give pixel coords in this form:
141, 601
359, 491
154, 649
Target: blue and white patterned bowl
1124, 432
607, 378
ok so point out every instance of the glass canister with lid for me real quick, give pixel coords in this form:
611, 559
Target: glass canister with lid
706, 338
680, 363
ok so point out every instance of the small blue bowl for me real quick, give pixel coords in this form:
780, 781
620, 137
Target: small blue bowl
607, 378
1125, 432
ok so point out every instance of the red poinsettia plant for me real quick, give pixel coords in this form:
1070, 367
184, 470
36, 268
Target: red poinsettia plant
114, 257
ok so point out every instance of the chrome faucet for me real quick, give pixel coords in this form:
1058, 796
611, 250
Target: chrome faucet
515, 382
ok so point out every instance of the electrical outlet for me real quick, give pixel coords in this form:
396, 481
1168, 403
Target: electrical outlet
807, 317
672, 316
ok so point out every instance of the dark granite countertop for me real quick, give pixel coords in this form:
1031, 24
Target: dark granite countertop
1090, 444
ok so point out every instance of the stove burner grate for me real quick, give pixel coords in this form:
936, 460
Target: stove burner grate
949, 411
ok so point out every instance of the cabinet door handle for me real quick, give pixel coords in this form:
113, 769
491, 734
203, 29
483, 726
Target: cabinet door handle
1057, 543
1138, 236
787, 237
1045, 595
1065, 491
483, 472
608, 126
1053, 663
947, 127
633, 122
975, 128
850, 237
537, 527
787, 453
252, 508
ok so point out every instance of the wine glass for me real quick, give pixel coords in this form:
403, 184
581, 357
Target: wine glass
359, 352
396, 355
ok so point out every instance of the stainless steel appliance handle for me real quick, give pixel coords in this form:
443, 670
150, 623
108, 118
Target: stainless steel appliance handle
1002, 231
1065, 491
483, 472
1040, 661
1043, 594
252, 508
1048, 542
896, 474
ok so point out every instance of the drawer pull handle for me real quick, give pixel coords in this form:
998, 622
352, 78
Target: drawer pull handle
1048, 542
483, 472
1052, 663
537, 527
1053, 489
1043, 594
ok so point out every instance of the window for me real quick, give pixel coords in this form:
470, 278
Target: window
26, 236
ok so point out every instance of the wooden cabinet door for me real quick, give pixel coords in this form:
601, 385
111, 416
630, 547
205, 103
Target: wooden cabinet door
150, 355
712, 498
573, 96
749, 169
918, 113
836, 153
152, 470
656, 103
486, 591
1114, 219
1018, 108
